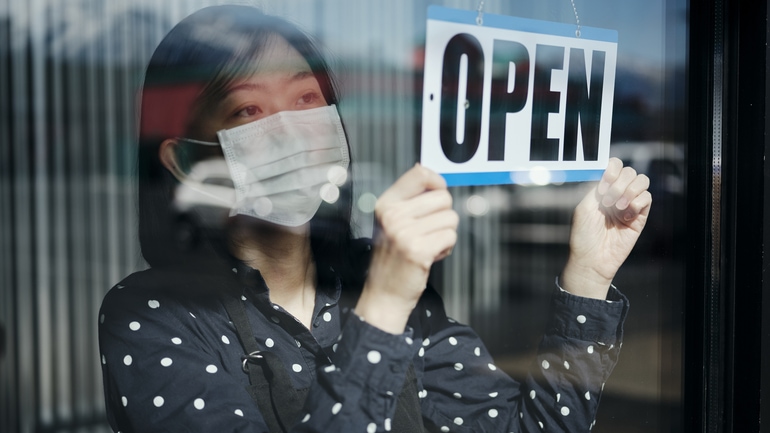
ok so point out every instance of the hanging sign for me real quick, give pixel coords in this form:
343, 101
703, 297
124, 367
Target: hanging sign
515, 100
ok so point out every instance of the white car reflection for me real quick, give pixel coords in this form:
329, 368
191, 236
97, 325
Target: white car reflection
204, 200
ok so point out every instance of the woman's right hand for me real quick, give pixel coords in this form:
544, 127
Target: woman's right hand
416, 226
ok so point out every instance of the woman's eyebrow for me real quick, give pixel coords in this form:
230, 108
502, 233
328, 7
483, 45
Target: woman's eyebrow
249, 85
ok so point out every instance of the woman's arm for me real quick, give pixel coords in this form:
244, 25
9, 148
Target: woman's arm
416, 227
606, 225
464, 391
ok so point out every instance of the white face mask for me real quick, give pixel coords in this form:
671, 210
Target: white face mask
284, 165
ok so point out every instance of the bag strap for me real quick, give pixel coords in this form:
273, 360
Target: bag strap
271, 387
280, 403
408, 415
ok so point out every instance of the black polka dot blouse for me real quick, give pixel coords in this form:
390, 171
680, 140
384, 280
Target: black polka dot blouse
171, 362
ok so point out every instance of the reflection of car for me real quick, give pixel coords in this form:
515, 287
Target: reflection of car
542, 214
204, 200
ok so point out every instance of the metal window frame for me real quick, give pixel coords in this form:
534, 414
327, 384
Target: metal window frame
728, 125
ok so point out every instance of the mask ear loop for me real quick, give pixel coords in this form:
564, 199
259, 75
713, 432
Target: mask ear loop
190, 140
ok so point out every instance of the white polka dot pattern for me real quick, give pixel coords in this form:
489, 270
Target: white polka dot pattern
374, 357
450, 362
336, 408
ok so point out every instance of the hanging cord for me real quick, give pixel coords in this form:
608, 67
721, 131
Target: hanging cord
480, 17
577, 18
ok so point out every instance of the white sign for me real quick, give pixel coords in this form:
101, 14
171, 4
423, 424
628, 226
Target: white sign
515, 100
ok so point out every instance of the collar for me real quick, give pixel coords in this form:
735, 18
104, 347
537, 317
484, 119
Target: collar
328, 287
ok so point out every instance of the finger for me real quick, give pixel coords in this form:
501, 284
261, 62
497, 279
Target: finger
428, 203
425, 239
639, 206
636, 187
616, 188
611, 173
447, 219
415, 181
445, 240
397, 214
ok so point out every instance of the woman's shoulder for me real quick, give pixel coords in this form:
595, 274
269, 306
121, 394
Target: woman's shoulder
139, 287
159, 302
150, 287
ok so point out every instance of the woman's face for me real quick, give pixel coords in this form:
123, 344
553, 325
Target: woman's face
282, 81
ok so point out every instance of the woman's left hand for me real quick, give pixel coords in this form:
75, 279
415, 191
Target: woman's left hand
605, 228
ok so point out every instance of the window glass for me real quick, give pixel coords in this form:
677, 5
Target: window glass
69, 72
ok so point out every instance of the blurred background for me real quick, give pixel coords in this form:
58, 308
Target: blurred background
69, 74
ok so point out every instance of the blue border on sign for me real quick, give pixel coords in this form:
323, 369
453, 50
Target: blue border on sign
441, 13
507, 177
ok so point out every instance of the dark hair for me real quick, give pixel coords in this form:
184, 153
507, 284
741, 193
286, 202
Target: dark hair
199, 58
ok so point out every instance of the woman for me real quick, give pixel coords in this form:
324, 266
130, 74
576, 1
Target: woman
277, 320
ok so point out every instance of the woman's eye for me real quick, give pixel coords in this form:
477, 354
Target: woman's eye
308, 98
249, 111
